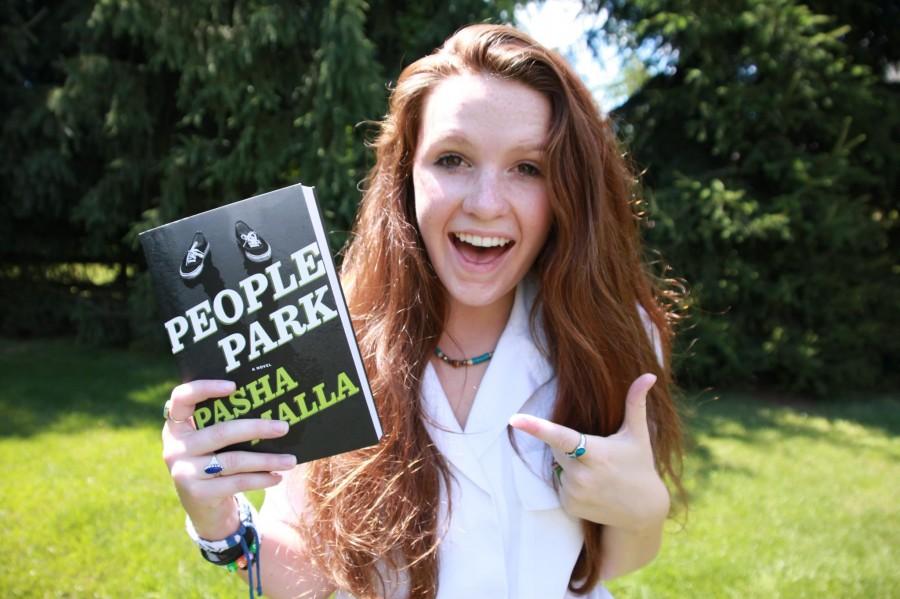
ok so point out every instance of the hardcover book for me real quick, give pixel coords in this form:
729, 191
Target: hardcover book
248, 292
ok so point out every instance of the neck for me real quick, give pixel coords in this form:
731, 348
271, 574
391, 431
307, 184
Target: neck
473, 330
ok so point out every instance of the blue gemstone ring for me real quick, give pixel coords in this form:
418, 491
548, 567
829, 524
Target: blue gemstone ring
214, 467
580, 449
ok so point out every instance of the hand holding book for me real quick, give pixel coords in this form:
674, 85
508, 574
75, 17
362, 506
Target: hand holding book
248, 292
207, 498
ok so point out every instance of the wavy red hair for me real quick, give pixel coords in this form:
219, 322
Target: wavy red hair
379, 505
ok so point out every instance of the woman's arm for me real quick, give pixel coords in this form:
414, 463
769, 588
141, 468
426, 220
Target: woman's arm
285, 568
625, 550
208, 497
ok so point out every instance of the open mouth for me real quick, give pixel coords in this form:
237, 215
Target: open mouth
480, 250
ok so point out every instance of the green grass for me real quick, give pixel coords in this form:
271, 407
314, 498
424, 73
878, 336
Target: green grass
786, 502
86, 499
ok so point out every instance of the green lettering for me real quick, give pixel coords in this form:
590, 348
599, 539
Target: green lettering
260, 391
239, 402
323, 400
287, 414
305, 412
201, 417
221, 412
346, 388
283, 381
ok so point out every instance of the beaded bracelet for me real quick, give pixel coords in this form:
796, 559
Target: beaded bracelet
238, 550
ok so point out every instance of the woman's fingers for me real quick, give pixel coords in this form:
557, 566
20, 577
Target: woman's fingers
560, 438
225, 486
186, 396
214, 438
200, 497
237, 462
179, 449
189, 452
190, 473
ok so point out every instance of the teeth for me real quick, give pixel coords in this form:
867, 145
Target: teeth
484, 242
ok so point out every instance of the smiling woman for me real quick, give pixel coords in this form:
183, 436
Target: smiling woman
516, 346
482, 204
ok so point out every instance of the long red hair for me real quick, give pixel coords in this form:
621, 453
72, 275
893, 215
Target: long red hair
379, 505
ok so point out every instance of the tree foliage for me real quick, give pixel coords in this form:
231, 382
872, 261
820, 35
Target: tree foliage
121, 115
771, 160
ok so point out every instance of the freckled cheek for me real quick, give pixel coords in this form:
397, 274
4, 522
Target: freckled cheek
430, 215
434, 199
537, 217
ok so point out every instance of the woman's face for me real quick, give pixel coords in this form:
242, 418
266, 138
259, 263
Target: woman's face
481, 196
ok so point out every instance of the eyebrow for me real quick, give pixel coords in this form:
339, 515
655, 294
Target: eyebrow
452, 136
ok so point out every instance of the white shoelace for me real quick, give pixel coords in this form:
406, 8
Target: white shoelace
251, 239
194, 254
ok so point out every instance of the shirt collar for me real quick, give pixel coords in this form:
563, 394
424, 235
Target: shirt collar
516, 370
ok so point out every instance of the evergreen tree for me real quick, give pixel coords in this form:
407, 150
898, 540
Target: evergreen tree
125, 114
764, 140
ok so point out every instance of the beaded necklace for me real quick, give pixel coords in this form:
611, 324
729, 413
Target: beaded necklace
465, 361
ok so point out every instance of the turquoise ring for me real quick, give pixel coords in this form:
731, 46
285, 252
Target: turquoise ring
580, 449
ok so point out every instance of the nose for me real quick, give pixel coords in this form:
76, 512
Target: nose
487, 199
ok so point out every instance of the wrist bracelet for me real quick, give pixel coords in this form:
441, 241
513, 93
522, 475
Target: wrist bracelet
231, 557
238, 550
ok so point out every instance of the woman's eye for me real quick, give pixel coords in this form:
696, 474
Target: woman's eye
450, 161
529, 170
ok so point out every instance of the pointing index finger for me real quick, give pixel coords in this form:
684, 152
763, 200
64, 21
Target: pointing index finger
557, 436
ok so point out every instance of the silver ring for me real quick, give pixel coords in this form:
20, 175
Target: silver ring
579, 450
167, 413
214, 467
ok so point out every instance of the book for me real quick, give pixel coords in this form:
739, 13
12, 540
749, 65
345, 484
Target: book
248, 292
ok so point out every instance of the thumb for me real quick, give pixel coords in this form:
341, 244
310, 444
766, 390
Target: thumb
636, 406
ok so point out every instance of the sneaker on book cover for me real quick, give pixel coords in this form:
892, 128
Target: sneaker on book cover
192, 264
255, 247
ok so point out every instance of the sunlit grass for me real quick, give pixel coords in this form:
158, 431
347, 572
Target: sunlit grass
785, 502
86, 499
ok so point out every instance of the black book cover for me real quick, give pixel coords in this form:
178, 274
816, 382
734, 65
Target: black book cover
248, 292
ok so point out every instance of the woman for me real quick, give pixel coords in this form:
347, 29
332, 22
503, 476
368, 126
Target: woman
512, 338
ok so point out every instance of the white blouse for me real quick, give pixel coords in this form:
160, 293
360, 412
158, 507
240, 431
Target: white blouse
507, 535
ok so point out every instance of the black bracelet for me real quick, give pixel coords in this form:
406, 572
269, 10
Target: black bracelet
238, 550
231, 555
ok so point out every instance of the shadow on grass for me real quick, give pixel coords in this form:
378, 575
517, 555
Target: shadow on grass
767, 421
53, 384
58, 385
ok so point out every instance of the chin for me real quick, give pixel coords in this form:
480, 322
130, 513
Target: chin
476, 296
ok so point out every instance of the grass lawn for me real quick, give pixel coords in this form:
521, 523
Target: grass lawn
786, 501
